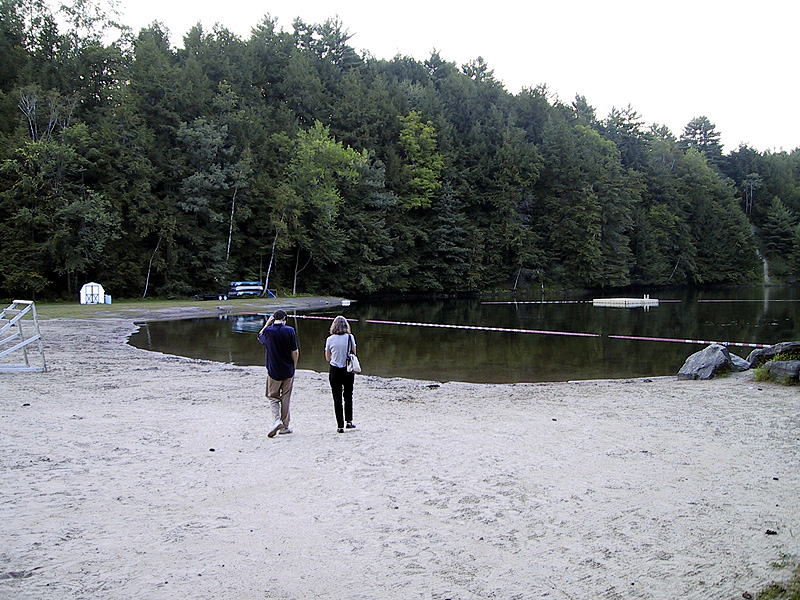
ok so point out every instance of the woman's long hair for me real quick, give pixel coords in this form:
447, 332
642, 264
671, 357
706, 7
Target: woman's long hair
340, 326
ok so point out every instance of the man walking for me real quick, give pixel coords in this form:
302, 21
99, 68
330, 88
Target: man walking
280, 341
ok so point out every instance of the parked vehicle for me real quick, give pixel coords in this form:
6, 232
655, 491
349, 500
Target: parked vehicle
213, 296
238, 289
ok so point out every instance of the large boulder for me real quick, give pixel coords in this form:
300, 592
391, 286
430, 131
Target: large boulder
761, 355
710, 361
783, 369
739, 363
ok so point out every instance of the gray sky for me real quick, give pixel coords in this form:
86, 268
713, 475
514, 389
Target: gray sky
732, 61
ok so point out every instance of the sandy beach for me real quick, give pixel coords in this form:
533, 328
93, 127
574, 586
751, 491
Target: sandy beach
126, 474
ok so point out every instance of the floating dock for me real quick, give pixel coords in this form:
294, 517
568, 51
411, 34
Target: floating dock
645, 301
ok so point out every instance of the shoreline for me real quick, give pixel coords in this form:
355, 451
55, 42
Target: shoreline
131, 474
137, 312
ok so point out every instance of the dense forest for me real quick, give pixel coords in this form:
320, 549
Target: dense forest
165, 170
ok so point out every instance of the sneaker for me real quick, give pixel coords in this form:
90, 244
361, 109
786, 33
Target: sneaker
284, 431
275, 428
340, 430
350, 425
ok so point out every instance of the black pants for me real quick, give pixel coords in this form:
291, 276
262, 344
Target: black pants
342, 386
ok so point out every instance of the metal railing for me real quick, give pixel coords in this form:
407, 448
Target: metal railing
13, 324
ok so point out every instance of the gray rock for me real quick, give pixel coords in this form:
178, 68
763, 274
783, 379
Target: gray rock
761, 355
783, 369
706, 363
739, 364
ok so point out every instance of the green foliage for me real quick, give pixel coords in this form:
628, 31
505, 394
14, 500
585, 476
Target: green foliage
782, 591
762, 374
778, 235
310, 197
423, 164
701, 134
794, 257
291, 157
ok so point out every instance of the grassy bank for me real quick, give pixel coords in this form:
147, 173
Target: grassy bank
786, 591
174, 309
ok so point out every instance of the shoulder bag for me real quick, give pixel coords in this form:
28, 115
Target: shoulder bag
353, 366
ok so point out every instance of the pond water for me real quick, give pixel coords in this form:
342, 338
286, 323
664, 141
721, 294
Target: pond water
390, 346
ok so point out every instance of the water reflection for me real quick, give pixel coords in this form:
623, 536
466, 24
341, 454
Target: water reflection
749, 315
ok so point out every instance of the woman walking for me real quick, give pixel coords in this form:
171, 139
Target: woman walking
338, 346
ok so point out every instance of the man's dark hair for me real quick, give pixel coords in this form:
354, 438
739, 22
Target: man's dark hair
279, 315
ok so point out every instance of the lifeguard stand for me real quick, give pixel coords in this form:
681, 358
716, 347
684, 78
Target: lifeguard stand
12, 320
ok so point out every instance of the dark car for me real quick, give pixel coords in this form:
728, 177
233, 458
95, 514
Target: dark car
213, 296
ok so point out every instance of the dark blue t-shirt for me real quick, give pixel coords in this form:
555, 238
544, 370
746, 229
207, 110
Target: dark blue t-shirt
280, 341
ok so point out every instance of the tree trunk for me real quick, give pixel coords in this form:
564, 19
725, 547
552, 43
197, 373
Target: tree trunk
298, 270
150, 266
230, 230
296, 264
265, 292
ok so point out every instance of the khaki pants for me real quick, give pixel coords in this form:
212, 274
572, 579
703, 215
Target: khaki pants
279, 392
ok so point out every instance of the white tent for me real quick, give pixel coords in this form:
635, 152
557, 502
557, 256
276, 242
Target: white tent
93, 293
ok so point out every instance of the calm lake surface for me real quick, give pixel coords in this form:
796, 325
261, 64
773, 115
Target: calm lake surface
389, 349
